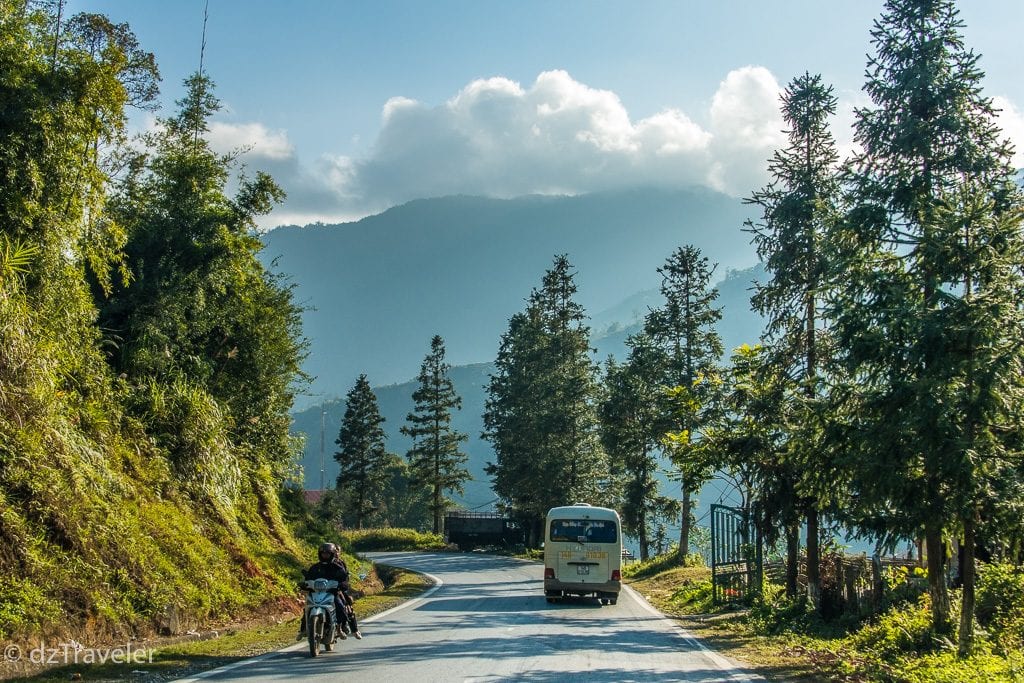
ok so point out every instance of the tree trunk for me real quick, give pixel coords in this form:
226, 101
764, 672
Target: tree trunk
684, 526
642, 538
813, 559
968, 578
792, 558
535, 533
437, 509
937, 577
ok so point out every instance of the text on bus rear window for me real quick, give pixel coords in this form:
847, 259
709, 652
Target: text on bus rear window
585, 530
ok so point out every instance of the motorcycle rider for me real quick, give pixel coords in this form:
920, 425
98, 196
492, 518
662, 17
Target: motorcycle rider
348, 619
331, 567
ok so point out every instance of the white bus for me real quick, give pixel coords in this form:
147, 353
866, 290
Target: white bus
583, 553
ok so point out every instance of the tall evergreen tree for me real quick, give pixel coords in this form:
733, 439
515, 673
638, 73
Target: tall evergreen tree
541, 412
798, 209
633, 423
684, 331
435, 458
751, 440
927, 316
364, 460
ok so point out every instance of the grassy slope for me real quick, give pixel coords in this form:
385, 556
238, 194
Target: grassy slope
236, 641
805, 650
98, 543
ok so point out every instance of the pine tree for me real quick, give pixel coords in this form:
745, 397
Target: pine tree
633, 423
798, 209
435, 459
541, 407
926, 315
750, 440
364, 460
683, 329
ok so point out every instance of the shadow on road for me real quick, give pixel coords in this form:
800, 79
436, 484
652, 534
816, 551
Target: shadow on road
340, 663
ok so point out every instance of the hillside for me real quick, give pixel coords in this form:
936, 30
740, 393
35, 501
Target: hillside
146, 370
378, 289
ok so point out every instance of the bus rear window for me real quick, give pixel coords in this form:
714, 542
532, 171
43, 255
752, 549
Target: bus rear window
589, 530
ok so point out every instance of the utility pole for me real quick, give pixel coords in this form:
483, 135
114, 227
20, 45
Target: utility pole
323, 480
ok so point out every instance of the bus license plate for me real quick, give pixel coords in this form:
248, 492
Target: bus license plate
583, 569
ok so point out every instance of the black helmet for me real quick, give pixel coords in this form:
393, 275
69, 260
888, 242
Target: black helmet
329, 550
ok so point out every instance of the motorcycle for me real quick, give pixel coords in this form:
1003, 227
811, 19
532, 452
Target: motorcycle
321, 619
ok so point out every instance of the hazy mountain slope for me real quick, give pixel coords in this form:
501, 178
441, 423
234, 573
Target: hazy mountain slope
395, 403
378, 289
738, 325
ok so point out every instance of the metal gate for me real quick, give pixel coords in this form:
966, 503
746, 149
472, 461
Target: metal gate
735, 559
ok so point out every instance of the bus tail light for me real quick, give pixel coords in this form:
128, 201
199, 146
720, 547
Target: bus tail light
616, 575
549, 572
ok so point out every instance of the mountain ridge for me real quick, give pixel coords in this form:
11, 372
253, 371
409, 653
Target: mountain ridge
378, 289
739, 325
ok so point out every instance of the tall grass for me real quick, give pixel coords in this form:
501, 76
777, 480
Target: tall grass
389, 539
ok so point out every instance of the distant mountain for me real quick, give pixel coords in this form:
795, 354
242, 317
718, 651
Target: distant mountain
378, 289
395, 403
739, 325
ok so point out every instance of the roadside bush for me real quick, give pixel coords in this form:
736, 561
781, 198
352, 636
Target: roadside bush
365, 540
1000, 606
946, 667
905, 586
899, 631
773, 613
693, 597
660, 563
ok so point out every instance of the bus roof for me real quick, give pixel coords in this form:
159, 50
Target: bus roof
582, 511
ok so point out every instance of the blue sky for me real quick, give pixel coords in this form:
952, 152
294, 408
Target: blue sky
356, 106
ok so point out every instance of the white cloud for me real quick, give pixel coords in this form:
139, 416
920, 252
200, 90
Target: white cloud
1011, 121
395, 106
747, 128
846, 116
496, 137
254, 137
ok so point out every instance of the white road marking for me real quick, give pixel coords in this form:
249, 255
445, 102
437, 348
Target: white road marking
721, 662
298, 646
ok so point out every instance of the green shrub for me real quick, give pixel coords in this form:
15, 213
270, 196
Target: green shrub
905, 586
772, 613
391, 539
660, 563
946, 667
693, 597
901, 630
1000, 605
23, 603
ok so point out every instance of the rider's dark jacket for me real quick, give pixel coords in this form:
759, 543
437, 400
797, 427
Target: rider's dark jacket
335, 570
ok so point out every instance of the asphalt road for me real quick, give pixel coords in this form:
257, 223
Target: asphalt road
487, 620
